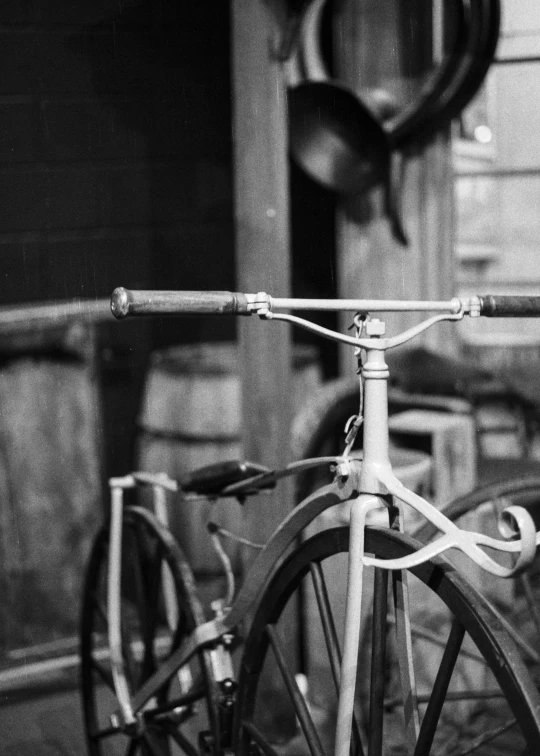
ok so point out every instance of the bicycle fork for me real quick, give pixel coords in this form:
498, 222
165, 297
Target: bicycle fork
360, 510
376, 458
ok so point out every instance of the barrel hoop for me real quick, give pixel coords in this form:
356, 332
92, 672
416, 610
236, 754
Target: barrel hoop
183, 437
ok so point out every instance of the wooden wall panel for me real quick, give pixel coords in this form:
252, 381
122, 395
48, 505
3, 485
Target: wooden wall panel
371, 263
136, 126
18, 132
50, 480
115, 169
94, 263
55, 12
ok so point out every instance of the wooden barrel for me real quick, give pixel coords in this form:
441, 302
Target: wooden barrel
190, 416
50, 483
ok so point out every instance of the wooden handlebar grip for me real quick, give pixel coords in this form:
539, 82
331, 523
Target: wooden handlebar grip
125, 302
500, 306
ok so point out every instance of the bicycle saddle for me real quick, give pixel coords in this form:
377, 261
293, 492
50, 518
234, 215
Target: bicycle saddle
214, 478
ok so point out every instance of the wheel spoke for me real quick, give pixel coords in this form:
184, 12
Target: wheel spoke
130, 660
529, 652
103, 672
142, 595
259, 739
100, 609
532, 600
195, 693
135, 668
132, 747
487, 737
452, 695
298, 701
108, 732
327, 620
440, 688
378, 663
332, 642
424, 633
400, 593
149, 618
181, 740
154, 745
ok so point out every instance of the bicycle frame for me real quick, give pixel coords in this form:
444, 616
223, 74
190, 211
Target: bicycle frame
367, 485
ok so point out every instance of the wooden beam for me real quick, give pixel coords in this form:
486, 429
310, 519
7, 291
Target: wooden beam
261, 176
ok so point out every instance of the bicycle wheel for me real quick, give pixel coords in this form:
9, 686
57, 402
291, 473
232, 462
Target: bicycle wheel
473, 693
185, 705
518, 600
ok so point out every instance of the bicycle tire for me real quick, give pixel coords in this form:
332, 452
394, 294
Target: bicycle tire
510, 724
148, 551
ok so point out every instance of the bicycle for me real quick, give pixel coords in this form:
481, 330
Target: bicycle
319, 429
145, 636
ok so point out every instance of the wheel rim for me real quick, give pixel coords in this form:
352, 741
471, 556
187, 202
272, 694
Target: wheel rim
453, 718
185, 704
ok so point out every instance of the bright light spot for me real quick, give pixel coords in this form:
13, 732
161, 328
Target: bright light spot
483, 134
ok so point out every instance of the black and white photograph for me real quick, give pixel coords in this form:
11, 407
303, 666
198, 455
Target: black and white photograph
269, 377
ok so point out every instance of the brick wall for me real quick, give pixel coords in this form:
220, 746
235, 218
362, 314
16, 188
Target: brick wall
114, 147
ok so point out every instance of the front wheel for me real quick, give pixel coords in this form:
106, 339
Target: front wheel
454, 685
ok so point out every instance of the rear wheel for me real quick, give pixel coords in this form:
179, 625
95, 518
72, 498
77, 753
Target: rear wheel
151, 631
453, 683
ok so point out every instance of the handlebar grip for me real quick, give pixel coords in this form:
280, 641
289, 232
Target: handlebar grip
125, 302
500, 306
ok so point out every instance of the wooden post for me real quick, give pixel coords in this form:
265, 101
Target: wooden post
371, 263
262, 245
263, 263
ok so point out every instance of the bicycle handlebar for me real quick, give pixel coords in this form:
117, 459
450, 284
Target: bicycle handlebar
500, 306
125, 303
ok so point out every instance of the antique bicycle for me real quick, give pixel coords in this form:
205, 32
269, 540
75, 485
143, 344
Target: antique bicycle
159, 677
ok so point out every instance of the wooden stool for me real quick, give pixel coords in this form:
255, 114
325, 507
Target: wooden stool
449, 439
